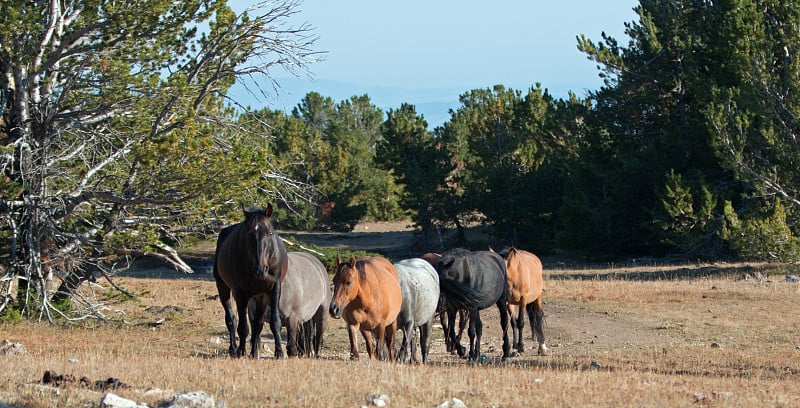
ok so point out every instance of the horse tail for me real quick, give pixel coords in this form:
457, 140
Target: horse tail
536, 316
459, 295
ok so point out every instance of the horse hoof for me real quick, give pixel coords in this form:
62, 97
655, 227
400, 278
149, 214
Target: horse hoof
542, 350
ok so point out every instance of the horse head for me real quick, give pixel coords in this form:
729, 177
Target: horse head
346, 282
262, 240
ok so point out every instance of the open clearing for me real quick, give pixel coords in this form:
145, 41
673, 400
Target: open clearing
653, 335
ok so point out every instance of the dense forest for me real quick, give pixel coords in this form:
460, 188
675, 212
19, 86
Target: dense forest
118, 139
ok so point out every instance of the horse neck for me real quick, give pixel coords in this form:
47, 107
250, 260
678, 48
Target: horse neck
368, 289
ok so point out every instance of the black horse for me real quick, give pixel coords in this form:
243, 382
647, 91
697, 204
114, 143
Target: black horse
472, 281
251, 262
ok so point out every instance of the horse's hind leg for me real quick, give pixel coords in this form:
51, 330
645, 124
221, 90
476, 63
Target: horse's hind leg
425, 340
517, 321
403, 354
230, 318
503, 308
536, 316
451, 333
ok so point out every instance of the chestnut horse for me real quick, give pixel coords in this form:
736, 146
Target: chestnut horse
525, 288
366, 293
251, 261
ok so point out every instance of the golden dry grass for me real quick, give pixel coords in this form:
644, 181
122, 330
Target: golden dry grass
714, 341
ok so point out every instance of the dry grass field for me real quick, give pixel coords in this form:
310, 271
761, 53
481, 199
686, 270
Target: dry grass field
677, 336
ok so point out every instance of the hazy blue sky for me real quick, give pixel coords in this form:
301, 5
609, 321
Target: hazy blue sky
427, 53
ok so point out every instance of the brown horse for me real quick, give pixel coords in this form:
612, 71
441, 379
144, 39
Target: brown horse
251, 262
525, 288
366, 293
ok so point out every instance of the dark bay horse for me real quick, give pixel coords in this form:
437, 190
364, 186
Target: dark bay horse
419, 283
473, 281
525, 289
433, 258
305, 294
366, 293
251, 262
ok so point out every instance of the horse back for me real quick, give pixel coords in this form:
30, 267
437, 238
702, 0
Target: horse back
525, 278
472, 280
419, 283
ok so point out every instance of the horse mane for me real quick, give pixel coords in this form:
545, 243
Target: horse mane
361, 268
505, 252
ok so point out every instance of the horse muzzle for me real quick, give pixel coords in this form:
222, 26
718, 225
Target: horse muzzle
335, 311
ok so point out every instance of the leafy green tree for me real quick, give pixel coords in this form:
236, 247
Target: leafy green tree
649, 122
755, 117
421, 167
110, 132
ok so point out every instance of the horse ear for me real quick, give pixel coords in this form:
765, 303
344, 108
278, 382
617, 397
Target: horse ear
353, 260
338, 260
244, 210
491, 249
268, 211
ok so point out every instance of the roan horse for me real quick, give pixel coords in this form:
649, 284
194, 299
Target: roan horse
525, 289
419, 283
473, 281
366, 293
251, 262
305, 294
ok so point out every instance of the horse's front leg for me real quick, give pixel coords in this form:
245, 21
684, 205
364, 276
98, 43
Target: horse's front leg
370, 343
352, 333
259, 306
243, 330
275, 319
230, 318
388, 335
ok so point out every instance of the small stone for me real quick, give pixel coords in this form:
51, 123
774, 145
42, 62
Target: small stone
11, 349
112, 400
453, 403
73, 360
716, 345
196, 399
379, 401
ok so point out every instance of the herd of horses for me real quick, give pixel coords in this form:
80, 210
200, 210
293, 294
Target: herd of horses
374, 296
